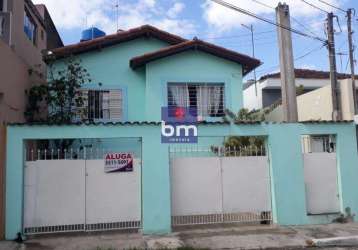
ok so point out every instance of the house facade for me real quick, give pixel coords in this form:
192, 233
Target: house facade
126, 177
269, 87
136, 72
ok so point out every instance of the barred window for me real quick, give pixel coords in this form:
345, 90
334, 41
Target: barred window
206, 98
101, 105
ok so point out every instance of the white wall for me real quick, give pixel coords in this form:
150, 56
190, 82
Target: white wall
317, 104
251, 101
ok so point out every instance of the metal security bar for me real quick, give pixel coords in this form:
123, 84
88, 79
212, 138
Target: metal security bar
218, 151
113, 226
206, 98
318, 144
67, 154
83, 227
262, 218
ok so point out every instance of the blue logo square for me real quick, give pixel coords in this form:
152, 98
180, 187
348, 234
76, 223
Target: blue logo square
179, 125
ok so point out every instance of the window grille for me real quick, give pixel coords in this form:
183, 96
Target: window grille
206, 99
101, 105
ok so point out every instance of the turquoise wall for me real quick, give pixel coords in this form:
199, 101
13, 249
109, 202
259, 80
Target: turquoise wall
110, 66
145, 88
191, 66
284, 140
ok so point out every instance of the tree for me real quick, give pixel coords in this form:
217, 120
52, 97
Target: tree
242, 145
58, 101
60, 96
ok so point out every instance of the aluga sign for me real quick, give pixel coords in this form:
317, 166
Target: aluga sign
118, 162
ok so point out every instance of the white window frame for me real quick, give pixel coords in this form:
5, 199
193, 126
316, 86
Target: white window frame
188, 101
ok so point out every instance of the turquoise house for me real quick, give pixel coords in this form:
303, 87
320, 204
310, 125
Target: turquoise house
146, 68
137, 72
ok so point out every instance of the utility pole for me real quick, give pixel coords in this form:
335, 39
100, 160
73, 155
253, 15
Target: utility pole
351, 57
251, 28
336, 114
288, 86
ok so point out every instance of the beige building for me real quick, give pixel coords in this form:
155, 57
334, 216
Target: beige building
317, 104
26, 32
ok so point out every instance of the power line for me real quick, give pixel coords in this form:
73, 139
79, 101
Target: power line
296, 58
294, 19
263, 4
242, 35
233, 7
303, 26
314, 6
333, 6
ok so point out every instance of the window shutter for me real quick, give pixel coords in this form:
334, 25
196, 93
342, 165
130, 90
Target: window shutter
115, 104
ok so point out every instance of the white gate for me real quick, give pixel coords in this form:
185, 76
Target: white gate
73, 193
320, 171
219, 186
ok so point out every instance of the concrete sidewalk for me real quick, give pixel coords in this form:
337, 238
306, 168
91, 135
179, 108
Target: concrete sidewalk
203, 237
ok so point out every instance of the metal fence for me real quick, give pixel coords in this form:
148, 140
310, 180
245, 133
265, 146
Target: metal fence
186, 220
217, 151
68, 154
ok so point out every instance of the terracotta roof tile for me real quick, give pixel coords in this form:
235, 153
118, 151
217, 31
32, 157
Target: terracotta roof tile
247, 62
109, 40
308, 74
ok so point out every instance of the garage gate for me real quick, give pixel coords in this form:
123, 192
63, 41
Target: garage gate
70, 191
220, 185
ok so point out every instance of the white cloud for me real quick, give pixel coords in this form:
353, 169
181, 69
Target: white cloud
102, 14
177, 8
224, 19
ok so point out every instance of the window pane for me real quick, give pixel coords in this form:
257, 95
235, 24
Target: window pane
207, 99
105, 104
29, 27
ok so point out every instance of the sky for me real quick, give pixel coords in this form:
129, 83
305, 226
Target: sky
216, 24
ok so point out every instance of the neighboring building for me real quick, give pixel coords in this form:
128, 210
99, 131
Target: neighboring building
136, 72
53, 38
269, 87
24, 36
317, 104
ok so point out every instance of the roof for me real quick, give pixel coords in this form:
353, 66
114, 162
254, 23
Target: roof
119, 37
247, 62
308, 74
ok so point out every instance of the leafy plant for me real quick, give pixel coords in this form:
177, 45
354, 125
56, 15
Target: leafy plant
60, 96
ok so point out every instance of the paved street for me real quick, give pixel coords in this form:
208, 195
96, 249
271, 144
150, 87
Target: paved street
204, 237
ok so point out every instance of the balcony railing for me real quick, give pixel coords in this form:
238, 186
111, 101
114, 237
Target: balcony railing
5, 27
